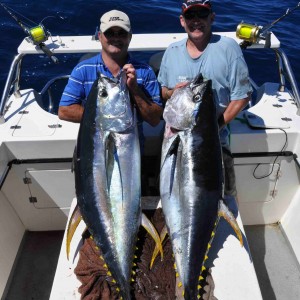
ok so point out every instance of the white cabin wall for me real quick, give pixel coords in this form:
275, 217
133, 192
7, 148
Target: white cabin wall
11, 234
291, 224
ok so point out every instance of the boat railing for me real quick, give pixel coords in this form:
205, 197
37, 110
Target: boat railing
15, 70
47, 89
74, 45
286, 72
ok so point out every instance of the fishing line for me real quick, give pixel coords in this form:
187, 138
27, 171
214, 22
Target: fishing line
19, 14
273, 165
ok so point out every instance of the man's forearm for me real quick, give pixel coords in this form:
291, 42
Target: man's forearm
71, 113
150, 111
233, 109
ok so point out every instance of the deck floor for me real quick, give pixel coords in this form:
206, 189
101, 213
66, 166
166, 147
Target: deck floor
36, 266
277, 269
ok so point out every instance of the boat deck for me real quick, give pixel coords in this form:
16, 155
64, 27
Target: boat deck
277, 269
276, 266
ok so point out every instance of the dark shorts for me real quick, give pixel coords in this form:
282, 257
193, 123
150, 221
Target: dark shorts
230, 186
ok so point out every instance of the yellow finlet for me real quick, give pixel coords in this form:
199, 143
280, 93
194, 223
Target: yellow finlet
229, 217
158, 241
72, 226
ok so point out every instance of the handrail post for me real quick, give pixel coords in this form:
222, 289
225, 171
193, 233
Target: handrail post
8, 83
291, 77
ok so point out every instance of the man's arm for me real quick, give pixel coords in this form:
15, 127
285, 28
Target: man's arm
71, 113
150, 111
232, 111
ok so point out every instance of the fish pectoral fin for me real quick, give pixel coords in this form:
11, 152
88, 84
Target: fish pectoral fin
72, 225
230, 218
163, 235
146, 223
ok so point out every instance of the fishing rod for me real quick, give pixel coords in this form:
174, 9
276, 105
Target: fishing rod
252, 33
37, 34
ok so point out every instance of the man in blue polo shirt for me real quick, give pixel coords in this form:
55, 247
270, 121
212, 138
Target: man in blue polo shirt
115, 36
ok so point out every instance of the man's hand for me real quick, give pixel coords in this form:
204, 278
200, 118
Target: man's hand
167, 93
149, 111
131, 77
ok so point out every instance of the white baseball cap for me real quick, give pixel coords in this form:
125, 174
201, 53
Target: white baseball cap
115, 18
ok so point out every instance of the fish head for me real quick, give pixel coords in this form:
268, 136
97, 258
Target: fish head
113, 100
183, 107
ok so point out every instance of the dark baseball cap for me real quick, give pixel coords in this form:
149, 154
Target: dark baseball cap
187, 4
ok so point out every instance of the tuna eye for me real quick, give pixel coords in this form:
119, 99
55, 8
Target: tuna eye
197, 98
103, 93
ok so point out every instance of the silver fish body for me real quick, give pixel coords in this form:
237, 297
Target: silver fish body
107, 176
191, 179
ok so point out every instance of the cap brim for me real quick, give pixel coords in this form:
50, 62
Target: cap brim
208, 7
105, 27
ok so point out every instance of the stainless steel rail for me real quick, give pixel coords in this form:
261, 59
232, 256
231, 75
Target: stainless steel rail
15, 65
47, 88
290, 76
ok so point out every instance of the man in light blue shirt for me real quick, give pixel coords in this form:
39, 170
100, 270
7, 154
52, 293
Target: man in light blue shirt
218, 58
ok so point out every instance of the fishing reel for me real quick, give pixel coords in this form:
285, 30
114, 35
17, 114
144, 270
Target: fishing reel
38, 34
252, 33
248, 32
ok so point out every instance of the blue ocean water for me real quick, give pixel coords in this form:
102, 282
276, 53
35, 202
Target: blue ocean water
79, 17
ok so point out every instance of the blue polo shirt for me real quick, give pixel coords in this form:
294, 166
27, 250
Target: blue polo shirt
86, 72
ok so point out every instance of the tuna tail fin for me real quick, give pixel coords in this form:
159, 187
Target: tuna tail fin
72, 225
229, 217
146, 223
163, 234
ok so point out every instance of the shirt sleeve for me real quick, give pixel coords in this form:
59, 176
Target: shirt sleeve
240, 86
162, 75
74, 92
151, 86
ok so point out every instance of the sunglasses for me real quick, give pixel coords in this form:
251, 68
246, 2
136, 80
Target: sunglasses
116, 33
201, 14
